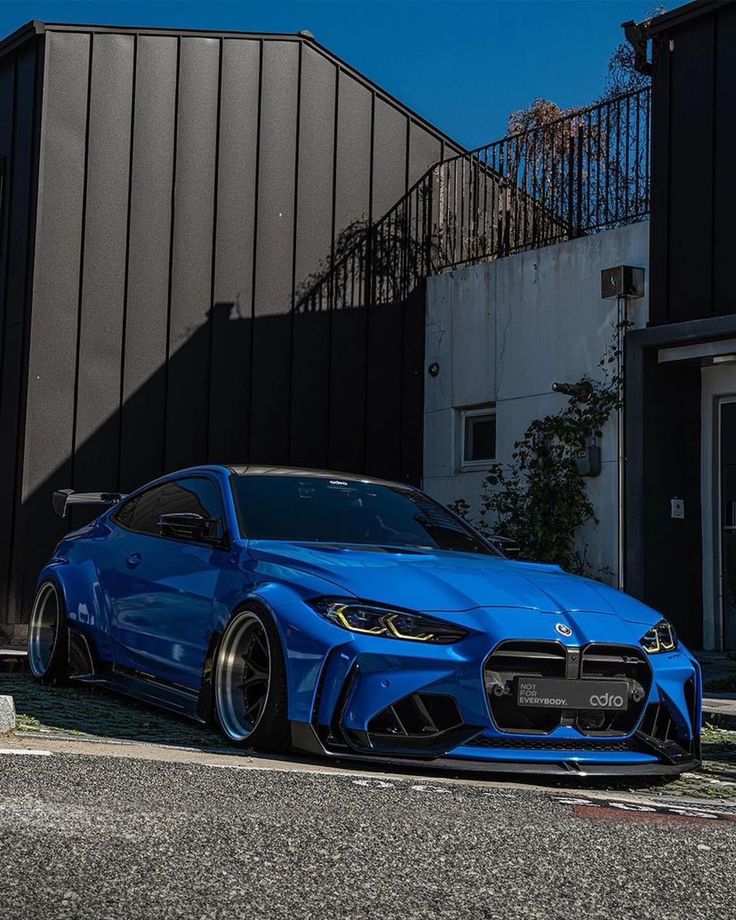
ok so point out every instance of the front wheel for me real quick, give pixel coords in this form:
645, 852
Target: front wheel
48, 636
250, 683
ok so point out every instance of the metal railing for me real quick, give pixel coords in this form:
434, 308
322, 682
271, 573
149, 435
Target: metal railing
581, 173
584, 172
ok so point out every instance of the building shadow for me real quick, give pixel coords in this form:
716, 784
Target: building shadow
332, 388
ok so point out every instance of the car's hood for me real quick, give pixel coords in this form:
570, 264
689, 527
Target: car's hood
448, 581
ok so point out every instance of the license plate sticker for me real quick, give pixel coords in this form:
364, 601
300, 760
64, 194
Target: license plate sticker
549, 693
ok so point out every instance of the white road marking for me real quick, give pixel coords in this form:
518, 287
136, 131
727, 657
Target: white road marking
27, 752
685, 810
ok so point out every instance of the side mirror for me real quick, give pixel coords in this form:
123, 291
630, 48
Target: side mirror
187, 525
505, 545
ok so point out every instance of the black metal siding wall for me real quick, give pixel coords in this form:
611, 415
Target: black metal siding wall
20, 85
693, 180
190, 185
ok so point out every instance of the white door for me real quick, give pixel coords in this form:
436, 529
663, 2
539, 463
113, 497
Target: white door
719, 506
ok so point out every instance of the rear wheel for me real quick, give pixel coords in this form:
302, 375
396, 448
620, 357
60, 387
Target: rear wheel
250, 683
48, 636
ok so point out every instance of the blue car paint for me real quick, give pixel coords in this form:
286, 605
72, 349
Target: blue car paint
154, 605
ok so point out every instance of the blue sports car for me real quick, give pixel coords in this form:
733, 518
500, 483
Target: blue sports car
347, 616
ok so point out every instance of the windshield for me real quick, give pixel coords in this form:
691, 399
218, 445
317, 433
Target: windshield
316, 509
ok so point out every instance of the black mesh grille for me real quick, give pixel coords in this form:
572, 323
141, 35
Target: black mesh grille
597, 661
518, 659
615, 662
550, 744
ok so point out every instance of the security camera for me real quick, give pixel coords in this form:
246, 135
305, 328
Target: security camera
579, 391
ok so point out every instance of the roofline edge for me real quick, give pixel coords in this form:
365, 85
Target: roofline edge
36, 27
25, 33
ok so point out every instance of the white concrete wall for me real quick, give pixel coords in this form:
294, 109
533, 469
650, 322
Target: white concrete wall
502, 332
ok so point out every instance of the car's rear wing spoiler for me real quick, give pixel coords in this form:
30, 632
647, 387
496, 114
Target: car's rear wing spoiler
61, 499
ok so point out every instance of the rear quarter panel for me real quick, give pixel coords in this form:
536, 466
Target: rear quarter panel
74, 567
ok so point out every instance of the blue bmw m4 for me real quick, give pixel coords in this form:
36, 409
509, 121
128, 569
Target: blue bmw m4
346, 616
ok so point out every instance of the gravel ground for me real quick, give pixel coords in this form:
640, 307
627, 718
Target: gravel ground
85, 710
97, 837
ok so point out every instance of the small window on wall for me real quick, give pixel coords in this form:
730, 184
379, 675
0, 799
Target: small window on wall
478, 432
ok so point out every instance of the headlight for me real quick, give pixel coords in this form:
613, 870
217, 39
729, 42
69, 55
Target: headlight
660, 638
370, 620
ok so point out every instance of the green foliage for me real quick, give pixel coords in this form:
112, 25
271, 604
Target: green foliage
539, 500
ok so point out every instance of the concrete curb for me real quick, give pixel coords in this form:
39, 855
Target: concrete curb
7, 715
720, 712
13, 660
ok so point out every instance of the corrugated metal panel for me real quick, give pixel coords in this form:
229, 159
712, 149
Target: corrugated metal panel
192, 185
192, 241
693, 183
310, 365
20, 91
143, 378
234, 252
272, 297
54, 338
103, 269
353, 184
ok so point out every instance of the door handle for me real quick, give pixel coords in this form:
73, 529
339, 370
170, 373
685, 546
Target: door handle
134, 560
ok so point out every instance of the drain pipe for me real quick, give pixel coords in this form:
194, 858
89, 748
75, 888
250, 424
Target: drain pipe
625, 283
622, 313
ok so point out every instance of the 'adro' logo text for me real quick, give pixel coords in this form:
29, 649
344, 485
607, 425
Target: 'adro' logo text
607, 699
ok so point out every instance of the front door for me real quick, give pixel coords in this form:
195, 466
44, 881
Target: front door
162, 590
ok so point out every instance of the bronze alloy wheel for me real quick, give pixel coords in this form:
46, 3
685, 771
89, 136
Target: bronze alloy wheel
243, 677
44, 629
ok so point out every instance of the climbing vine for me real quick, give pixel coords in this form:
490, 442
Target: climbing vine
539, 499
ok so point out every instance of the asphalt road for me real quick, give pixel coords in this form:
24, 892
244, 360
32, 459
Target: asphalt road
106, 837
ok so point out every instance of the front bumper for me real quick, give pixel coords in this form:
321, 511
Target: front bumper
437, 706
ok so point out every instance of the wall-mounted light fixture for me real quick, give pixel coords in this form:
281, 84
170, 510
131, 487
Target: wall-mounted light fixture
580, 391
622, 281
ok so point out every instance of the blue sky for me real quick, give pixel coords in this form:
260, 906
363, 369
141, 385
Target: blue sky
462, 64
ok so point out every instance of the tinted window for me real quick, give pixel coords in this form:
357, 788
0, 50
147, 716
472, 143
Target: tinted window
340, 511
141, 513
193, 496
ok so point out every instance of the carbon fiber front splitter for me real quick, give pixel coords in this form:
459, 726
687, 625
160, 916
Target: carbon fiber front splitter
305, 739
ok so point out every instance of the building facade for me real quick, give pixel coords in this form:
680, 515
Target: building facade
681, 379
233, 247
501, 332
169, 201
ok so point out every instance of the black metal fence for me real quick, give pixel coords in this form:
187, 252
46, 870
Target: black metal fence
584, 172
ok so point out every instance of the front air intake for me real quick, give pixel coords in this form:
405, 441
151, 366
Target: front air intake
419, 716
419, 725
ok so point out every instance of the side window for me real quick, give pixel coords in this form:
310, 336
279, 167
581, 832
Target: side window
124, 514
141, 512
193, 496
196, 495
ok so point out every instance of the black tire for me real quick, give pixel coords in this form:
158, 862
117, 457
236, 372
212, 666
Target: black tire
270, 731
48, 636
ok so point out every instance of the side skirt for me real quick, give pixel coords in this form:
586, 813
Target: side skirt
147, 689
